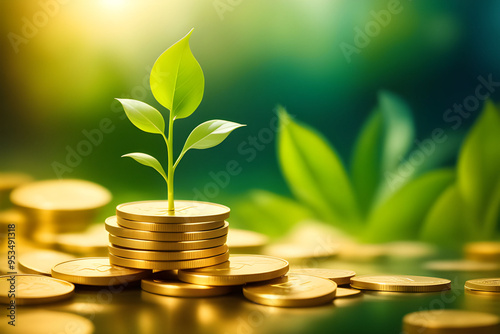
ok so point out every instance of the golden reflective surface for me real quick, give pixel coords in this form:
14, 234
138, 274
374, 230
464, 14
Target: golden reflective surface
171, 227
41, 261
33, 289
168, 265
165, 255
339, 276
406, 283
451, 321
484, 284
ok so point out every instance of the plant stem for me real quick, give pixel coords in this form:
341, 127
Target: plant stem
170, 172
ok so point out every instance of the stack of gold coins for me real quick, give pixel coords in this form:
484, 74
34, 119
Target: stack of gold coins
145, 235
58, 206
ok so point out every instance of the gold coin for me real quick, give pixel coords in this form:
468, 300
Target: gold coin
96, 271
33, 289
166, 255
92, 242
41, 261
240, 269
47, 322
185, 212
450, 321
181, 289
483, 251
400, 283
241, 239
166, 245
482, 293
292, 290
343, 292
172, 227
167, 265
340, 277
461, 265
113, 228
484, 284
61, 195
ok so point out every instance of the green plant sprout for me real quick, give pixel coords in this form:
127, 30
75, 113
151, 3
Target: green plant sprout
177, 83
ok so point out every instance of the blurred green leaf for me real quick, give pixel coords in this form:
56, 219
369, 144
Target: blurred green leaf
402, 215
315, 173
143, 116
177, 80
147, 160
479, 165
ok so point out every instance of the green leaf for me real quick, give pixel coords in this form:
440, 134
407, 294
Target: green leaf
209, 134
147, 160
314, 173
479, 164
401, 216
177, 81
143, 116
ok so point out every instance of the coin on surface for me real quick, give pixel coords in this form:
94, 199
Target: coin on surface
34, 289
166, 245
61, 195
461, 265
168, 265
165, 255
185, 211
92, 242
240, 269
47, 322
292, 290
340, 277
113, 228
41, 261
172, 227
96, 271
343, 292
401, 283
180, 289
242, 240
450, 321
484, 284
483, 251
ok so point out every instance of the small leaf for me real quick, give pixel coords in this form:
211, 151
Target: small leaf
209, 134
315, 173
147, 160
143, 116
177, 81
401, 216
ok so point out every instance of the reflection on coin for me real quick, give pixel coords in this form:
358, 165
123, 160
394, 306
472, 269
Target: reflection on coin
48, 322
181, 289
41, 261
483, 251
61, 195
167, 265
96, 271
343, 292
340, 277
461, 265
292, 290
166, 256
450, 321
92, 242
166, 245
240, 269
241, 239
34, 289
484, 284
172, 227
113, 228
185, 211
401, 283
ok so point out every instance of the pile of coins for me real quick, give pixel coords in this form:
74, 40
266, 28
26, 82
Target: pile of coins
144, 235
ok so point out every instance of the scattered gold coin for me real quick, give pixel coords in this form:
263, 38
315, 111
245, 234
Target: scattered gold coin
340, 277
41, 261
344, 292
484, 284
96, 271
400, 283
180, 289
451, 321
170, 227
34, 289
483, 251
48, 322
240, 269
166, 245
168, 265
461, 265
113, 228
292, 290
185, 212
93, 242
165, 255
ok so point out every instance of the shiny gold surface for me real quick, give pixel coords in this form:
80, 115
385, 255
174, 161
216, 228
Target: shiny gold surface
96, 271
113, 228
292, 290
34, 289
92, 242
344, 292
166, 245
185, 211
240, 269
340, 277
170, 227
484, 284
41, 261
400, 283
166, 255
451, 321
181, 289
48, 322
168, 265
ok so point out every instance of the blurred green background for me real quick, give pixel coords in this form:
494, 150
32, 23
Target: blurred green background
63, 63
